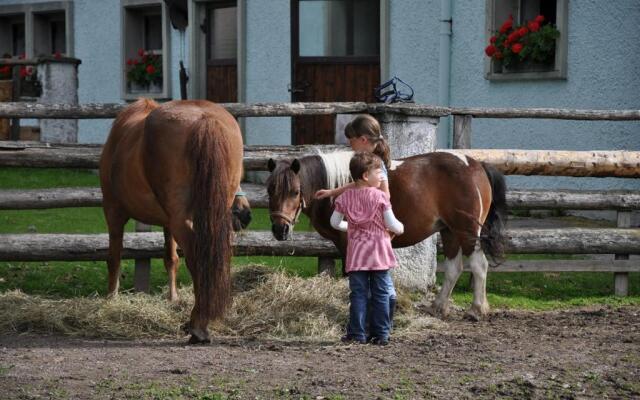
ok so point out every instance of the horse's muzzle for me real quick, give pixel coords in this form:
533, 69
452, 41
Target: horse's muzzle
281, 231
240, 218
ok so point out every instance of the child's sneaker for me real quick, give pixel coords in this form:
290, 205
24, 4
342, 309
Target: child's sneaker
351, 339
378, 341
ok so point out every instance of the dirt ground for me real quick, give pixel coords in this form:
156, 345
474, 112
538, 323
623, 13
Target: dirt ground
587, 353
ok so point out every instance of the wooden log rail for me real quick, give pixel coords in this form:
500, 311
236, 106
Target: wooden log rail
29, 199
109, 110
623, 164
70, 247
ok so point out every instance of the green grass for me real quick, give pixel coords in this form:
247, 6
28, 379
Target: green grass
536, 291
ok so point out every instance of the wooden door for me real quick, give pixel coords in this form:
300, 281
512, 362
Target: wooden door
222, 38
335, 57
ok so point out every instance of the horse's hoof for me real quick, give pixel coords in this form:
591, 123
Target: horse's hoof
196, 340
438, 310
471, 316
186, 327
477, 313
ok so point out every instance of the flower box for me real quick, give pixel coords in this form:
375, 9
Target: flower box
530, 47
144, 73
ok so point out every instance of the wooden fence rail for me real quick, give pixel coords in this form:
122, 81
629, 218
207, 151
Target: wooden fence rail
106, 110
26, 199
71, 247
623, 164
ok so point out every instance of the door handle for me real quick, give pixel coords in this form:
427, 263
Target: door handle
298, 87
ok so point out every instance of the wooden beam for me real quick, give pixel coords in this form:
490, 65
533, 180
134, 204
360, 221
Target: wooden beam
549, 113
560, 266
67, 247
110, 110
30, 199
624, 164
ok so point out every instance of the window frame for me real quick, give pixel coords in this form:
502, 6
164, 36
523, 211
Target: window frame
559, 71
29, 10
127, 48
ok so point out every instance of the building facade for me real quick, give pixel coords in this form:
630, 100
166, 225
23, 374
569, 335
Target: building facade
338, 50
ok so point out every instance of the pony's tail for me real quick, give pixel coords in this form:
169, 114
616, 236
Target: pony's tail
492, 238
208, 151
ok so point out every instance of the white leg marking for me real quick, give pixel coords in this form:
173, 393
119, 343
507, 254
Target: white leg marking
481, 211
479, 266
452, 271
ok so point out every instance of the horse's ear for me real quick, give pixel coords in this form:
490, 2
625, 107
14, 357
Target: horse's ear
295, 166
271, 164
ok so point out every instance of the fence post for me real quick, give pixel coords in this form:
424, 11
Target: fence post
461, 132
14, 134
59, 79
142, 272
407, 136
621, 279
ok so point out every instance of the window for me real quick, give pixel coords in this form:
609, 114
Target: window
145, 49
36, 29
339, 28
49, 33
550, 64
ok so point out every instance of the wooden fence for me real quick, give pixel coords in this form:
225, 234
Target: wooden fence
141, 246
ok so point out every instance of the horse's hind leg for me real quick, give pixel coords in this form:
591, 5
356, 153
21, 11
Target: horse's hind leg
115, 223
452, 271
479, 267
171, 262
197, 326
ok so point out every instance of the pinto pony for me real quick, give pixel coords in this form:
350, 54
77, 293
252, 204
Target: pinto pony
177, 165
457, 196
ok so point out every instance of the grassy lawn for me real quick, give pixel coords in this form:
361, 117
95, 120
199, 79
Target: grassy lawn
66, 279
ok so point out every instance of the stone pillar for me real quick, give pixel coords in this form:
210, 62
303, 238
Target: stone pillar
59, 79
408, 136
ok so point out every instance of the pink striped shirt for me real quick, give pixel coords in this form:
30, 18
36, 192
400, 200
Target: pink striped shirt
369, 244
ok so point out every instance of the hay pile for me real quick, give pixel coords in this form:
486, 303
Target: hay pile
267, 303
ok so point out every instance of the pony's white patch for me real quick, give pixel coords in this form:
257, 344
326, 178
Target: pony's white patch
395, 164
481, 210
337, 166
460, 156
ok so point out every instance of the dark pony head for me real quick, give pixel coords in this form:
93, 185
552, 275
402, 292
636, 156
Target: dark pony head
285, 197
240, 211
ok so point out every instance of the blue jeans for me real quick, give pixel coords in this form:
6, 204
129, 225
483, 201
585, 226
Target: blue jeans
363, 283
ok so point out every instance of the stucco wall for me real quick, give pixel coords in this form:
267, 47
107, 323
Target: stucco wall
603, 73
98, 44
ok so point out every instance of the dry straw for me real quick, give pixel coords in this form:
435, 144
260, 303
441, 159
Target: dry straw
267, 304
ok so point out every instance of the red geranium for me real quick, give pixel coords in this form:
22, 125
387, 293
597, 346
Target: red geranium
145, 69
533, 26
532, 41
507, 24
490, 50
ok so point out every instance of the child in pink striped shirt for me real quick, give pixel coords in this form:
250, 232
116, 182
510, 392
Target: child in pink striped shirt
369, 253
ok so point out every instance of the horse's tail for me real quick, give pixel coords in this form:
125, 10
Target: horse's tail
208, 151
492, 238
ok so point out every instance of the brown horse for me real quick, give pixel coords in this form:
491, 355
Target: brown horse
459, 197
177, 165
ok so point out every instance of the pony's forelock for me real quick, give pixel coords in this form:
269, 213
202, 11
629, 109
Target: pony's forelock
336, 165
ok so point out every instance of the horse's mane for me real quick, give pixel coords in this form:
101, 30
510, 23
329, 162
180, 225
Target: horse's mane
336, 165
